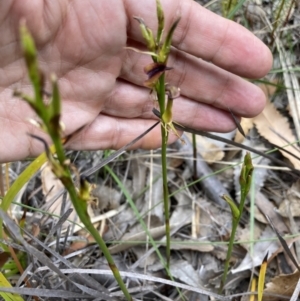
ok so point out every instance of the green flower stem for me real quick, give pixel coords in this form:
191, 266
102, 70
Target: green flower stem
49, 115
166, 192
164, 136
235, 223
245, 183
80, 206
62, 171
79, 202
160, 51
195, 171
161, 94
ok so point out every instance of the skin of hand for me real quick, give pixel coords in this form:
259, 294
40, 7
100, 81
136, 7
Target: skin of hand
101, 82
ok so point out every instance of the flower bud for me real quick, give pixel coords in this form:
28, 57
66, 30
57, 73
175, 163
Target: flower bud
147, 34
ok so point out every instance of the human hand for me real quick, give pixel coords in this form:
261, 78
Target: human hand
101, 83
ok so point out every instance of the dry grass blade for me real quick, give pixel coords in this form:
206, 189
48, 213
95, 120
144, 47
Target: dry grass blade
227, 141
15, 231
211, 184
148, 278
50, 293
290, 79
118, 153
139, 238
261, 278
296, 292
273, 126
13, 245
60, 222
253, 289
284, 244
87, 280
237, 123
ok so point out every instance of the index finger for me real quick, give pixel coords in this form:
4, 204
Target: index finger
206, 35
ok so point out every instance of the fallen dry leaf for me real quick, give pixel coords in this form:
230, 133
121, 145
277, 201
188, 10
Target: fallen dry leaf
281, 285
106, 197
183, 270
79, 244
200, 246
291, 205
275, 128
244, 235
265, 206
52, 187
247, 125
260, 249
209, 150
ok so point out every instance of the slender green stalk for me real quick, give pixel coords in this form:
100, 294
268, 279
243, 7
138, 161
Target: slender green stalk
281, 14
252, 215
80, 206
161, 94
166, 193
49, 115
245, 183
195, 172
235, 8
229, 252
164, 136
227, 6
159, 51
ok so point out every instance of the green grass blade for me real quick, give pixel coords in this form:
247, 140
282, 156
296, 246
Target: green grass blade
8, 296
22, 179
141, 221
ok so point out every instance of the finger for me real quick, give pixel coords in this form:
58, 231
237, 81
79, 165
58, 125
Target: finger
104, 133
107, 132
206, 35
201, 81
129, 101
15, 117
17, 144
